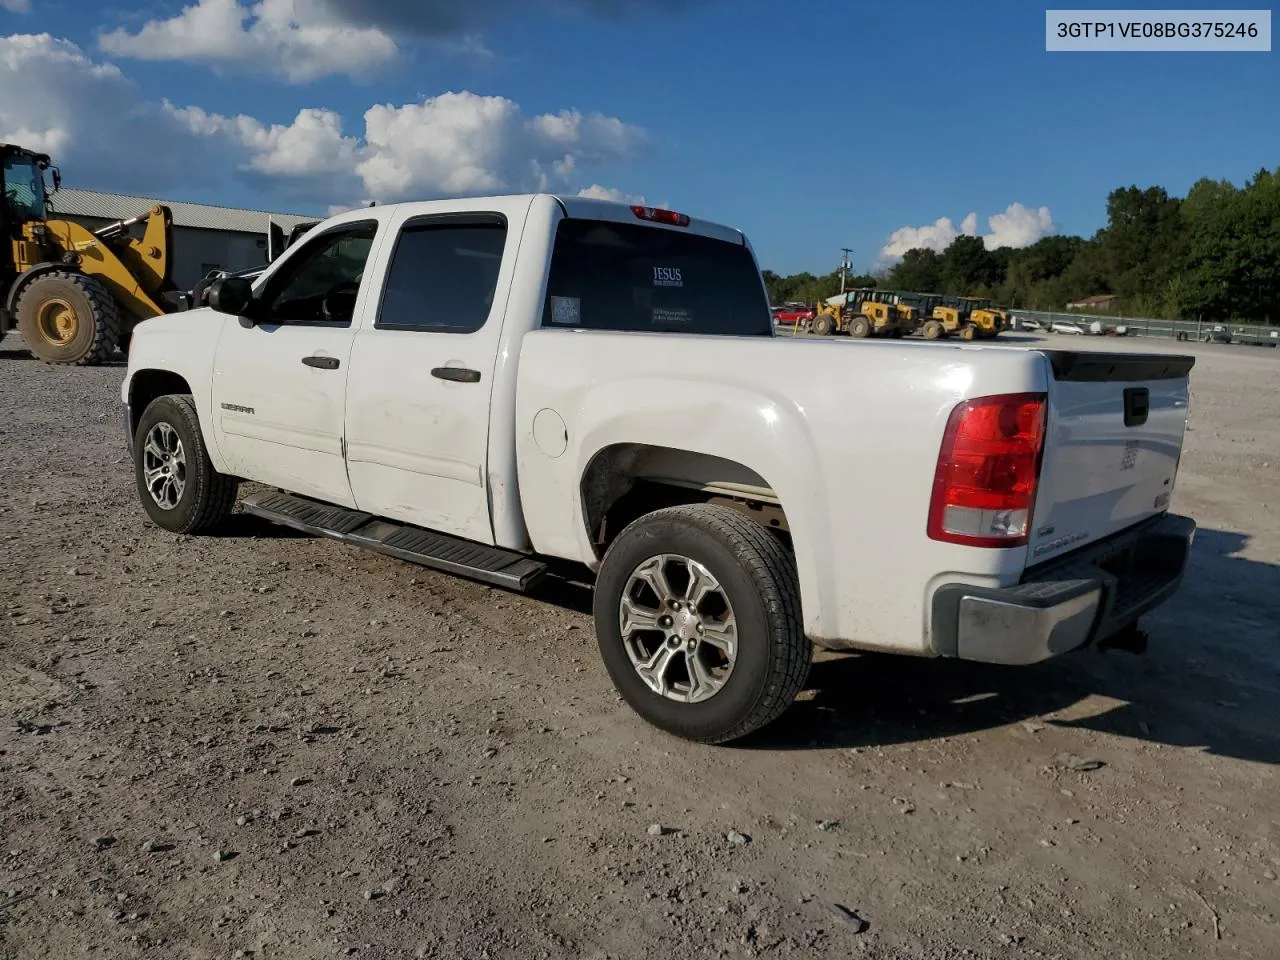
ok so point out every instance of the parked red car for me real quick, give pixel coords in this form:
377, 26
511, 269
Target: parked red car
792, 313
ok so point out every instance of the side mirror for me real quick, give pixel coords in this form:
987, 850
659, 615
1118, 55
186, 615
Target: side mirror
233, 295
57, 179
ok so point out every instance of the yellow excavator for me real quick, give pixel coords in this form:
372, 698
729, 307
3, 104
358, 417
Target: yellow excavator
74, 293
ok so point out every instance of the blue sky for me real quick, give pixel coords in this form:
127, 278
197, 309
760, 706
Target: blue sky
812, 125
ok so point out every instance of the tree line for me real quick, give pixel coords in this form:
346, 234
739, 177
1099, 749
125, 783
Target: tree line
1213, 254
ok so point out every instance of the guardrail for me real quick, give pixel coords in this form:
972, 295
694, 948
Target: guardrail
1257, 334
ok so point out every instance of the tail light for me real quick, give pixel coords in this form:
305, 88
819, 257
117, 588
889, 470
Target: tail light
984, 489
658, 215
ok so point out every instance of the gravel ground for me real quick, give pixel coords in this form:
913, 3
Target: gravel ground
263, 745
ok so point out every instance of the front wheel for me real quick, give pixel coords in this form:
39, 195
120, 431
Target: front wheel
697, 612
68, 317
822, 325
177, 483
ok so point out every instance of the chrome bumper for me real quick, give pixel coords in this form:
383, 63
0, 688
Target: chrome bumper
1068, 603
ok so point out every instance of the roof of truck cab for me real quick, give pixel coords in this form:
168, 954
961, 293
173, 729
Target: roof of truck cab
586, 208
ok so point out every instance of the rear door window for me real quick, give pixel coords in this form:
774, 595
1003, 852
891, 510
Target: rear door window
618, 276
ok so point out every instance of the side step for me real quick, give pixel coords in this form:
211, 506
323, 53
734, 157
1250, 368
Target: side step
476, 561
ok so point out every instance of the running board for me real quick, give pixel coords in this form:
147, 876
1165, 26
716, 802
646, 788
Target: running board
476, 561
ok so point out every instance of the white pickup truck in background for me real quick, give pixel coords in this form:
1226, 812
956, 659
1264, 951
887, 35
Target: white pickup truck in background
506, 388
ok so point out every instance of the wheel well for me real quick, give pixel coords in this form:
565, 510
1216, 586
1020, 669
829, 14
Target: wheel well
148, 385
625, 481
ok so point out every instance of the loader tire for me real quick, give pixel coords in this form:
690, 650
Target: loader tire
932, 330
968, 332
822, 325
860, 328
67, 317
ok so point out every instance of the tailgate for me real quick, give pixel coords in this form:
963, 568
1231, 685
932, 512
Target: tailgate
1111, 453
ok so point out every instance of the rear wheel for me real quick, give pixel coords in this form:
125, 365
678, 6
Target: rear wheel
697, 612
68, 317
932, 330
860, 327
177, 483
968, 332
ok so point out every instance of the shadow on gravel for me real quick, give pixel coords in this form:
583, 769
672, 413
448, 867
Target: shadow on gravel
247, 525
22, 353
1210, 678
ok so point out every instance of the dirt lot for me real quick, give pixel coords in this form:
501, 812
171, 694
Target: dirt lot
261, 745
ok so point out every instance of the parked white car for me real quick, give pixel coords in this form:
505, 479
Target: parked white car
1062, 326
511, 388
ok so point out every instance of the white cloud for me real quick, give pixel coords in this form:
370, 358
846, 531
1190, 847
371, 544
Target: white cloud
304, 40
934, 236
301, 39
16, 6
88, 116
597, 192
455, 143
1017, 226
107, 136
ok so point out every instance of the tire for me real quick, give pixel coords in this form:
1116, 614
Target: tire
822, 325
968, 332
932, 330
67, 317
202, 497
860, 328
753, 574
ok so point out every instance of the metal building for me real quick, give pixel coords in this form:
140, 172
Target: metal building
205, 237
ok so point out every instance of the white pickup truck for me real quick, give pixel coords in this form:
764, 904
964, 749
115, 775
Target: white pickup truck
512, 387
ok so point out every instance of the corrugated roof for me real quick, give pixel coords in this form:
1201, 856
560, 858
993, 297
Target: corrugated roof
115, 206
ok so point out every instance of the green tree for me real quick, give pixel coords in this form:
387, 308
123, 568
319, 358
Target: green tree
919, 270
1143, 245
969, 268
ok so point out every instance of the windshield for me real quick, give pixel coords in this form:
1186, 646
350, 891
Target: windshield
23, 189
614, 276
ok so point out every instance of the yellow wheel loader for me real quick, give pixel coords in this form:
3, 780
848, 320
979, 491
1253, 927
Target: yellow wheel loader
989, 319
75, 294
860, 315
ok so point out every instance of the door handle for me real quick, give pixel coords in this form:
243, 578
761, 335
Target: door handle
323, 363
456, 374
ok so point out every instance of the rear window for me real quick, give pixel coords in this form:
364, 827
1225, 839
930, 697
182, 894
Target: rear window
618, 276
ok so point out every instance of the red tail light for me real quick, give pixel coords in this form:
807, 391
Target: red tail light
658, 215
985, 485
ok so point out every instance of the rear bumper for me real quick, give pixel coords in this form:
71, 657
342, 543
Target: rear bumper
1065, 604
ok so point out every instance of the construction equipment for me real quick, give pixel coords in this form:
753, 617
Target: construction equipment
943, 316
989, 320
860, 313
908, 312
76, 294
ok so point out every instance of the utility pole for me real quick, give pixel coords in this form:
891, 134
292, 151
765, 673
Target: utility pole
845, 265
